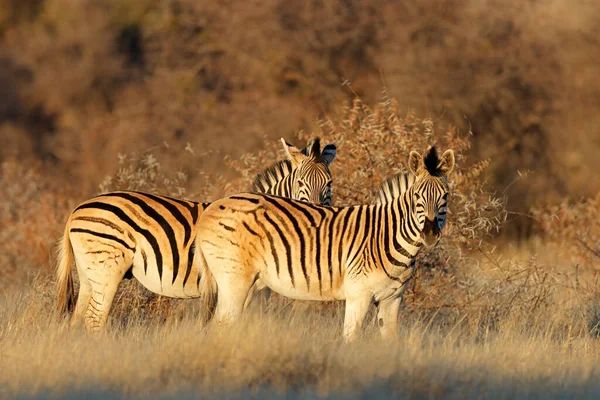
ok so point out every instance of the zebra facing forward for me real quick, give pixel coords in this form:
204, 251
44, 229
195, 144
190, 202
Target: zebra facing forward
361, 254
153, 238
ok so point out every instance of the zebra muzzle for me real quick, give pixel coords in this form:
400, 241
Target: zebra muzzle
431, 232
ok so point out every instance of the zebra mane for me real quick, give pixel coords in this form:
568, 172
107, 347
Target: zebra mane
431, 161
393, 187
273, 174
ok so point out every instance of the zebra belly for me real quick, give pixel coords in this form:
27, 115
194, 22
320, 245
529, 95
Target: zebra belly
165, 286
300, 290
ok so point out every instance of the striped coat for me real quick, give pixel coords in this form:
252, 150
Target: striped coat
360, 254
154, 238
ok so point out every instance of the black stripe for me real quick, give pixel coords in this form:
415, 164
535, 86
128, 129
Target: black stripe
355, 233
184, 203
176, 213
283, 238
145, 262
318, 256
125, 218
407, 226
386, 239
329, 245
364, 234
190, 262
102, 221
228, 228
302, 208
196, 210
395, 221
102, 235
322, 209
167, 228
253, 201
344, 229
378, 222
252, 232
270, 239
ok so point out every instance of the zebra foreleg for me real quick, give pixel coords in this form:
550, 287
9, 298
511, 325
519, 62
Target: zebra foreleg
234, 293
356, 309
387, 317
258, 295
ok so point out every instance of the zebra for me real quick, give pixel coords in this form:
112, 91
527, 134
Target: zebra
125, 234
394, 186
361, 254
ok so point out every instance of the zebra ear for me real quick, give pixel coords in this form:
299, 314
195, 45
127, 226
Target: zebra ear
415, 161
328, 154
446, 164
292, 153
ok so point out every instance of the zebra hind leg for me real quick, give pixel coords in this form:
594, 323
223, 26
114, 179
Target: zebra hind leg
83, 298
104, 283
100, 302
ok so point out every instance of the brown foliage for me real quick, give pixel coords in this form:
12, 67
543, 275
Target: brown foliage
88, 79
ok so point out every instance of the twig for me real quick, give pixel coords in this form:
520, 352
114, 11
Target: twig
587, 247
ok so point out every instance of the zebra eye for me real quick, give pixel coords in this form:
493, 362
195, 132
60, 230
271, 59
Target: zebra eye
301, 183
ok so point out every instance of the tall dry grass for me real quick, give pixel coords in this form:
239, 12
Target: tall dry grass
296, 355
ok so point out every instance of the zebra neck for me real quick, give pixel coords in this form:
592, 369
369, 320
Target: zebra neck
399, 236
275, 179
409, 230
282, 187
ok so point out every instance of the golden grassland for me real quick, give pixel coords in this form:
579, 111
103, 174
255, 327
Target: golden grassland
294, 351
525, 327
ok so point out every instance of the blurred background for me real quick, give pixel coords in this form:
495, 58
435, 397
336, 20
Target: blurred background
85, 82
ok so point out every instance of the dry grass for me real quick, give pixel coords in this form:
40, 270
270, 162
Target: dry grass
297, 354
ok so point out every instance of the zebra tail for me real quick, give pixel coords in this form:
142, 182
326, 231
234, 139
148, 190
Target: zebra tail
208, 289
65, 290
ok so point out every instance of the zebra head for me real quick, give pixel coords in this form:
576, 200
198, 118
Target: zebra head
310, 179
430, 192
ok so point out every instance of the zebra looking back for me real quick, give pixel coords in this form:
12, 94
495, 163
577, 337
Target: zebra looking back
361, 254
153, 238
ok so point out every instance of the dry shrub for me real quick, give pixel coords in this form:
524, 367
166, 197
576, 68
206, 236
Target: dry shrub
32, 214
573, 226
374, 144
138, 73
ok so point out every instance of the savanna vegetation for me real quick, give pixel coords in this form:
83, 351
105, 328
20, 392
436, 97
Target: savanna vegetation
188, 98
